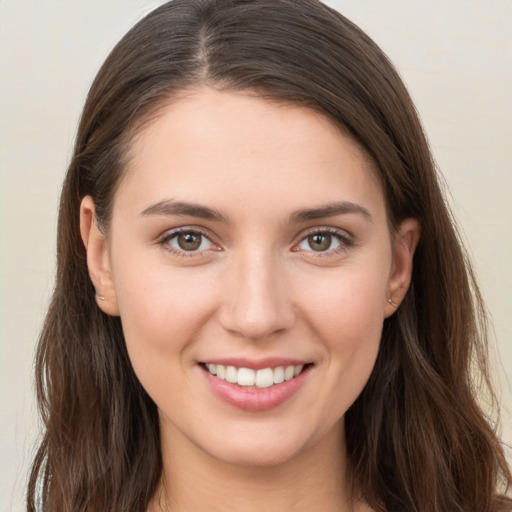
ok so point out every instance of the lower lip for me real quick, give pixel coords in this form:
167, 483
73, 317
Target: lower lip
256, 399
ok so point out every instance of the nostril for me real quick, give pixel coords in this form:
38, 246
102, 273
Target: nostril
257, 322
256, 302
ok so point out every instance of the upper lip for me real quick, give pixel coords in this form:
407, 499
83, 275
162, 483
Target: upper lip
256, 364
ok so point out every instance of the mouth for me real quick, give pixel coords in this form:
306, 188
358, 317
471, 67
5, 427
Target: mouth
255, 379
256, 386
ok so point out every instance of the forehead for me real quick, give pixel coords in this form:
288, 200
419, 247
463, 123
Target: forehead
214, 145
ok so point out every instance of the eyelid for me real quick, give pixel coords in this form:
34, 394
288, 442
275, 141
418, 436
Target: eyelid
163, 240
345, 238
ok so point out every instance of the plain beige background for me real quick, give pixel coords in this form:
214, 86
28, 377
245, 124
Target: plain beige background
454, 55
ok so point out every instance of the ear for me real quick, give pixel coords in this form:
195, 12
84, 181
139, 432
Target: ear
406, 239
98, 258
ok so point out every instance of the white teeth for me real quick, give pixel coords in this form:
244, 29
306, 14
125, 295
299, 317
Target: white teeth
279, 375
288, 372
221, 371
263, 378
231, 374
246, 377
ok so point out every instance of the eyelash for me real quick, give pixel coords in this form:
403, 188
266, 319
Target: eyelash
345, 241
167, 237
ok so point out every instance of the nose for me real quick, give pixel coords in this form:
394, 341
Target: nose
257, 301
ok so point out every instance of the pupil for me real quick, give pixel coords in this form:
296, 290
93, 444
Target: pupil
319, 242
189, 241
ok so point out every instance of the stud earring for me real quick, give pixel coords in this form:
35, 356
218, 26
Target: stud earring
392, 303
99, 296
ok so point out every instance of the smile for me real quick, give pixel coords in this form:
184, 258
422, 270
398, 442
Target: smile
266, 385
247, 377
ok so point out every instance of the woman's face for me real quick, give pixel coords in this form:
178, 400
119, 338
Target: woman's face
249, 240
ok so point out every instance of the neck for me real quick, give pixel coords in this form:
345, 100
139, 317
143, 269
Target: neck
316, 479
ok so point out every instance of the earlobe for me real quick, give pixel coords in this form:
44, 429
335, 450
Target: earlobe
405, 242
98, 258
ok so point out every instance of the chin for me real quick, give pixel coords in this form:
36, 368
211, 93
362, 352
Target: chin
255, 455
266, 446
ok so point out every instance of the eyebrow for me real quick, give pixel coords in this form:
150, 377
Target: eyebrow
328, 210
171, 207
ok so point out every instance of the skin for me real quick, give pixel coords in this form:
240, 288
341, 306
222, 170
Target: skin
254, 289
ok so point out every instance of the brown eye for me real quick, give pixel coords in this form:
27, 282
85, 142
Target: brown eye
323, 241
320, 241
189, 241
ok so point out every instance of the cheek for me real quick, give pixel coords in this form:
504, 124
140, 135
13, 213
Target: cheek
347, 315
348, 304
162, 313
162, 309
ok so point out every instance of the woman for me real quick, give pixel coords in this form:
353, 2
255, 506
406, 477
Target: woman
261, 299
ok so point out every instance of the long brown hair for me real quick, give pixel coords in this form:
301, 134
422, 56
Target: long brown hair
416, 436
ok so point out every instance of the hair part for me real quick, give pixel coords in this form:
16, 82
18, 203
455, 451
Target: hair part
416, 436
